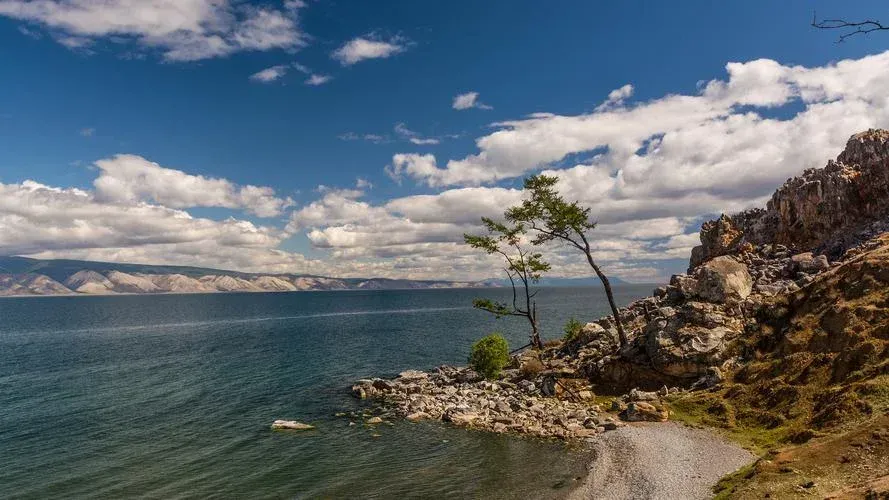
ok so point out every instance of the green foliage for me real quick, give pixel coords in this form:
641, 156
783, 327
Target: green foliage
489, 355
549, 214
523, 268
506, 241
498, 309
573, 328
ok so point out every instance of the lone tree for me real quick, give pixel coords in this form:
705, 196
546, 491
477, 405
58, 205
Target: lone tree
553, 218
524, 268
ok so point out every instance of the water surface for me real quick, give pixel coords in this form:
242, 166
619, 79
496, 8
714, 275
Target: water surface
171, 396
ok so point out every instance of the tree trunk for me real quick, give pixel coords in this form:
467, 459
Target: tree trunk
608, 293
535, 332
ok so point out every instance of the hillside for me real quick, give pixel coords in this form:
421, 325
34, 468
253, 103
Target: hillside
778, 334
25, 276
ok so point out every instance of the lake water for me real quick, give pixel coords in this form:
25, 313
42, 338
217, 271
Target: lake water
171, 396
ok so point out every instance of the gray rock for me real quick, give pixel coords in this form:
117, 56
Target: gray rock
723, 279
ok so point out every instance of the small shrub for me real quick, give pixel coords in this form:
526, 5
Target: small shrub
489, 355
573, 328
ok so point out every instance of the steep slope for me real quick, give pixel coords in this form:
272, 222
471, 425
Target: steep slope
229, 284
178, 283
131, 283
817, 366
273, 284
89, 282
30, 284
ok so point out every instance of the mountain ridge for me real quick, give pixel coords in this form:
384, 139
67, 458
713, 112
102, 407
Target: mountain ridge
28, 276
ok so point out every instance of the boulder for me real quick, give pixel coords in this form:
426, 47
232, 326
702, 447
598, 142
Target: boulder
374, 420
808, 263
413, 375
723, 279
685, 345
461, 418
645, 412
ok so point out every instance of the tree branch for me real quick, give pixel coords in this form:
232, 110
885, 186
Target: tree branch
860, 27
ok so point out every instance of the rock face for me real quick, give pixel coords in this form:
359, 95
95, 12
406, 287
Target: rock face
824, 209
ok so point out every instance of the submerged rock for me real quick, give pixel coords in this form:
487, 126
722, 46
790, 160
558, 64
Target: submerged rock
291, 425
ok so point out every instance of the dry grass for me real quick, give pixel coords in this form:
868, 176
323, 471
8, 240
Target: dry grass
813, 396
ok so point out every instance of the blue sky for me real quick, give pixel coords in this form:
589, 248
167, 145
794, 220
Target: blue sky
79, 87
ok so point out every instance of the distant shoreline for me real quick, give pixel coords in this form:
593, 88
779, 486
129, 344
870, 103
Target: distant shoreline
131, 294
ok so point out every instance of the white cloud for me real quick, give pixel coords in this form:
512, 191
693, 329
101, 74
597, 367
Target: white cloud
368, 47
468, 100
316, 80
182, 30
271, 74
725, 119
88, 131
651, 170
131, 178
405, 133
616, 97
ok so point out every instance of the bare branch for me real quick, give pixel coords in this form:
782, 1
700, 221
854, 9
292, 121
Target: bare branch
852, 28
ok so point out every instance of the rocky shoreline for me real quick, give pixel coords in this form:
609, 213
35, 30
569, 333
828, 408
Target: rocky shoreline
541, 407
685, 335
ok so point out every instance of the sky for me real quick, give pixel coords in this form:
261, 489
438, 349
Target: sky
355, 138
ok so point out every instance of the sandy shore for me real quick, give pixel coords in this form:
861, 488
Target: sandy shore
659, 461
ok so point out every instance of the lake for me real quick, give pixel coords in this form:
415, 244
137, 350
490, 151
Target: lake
171, 396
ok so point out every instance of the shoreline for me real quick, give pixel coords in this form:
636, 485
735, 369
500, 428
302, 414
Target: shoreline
131, 294
659, 460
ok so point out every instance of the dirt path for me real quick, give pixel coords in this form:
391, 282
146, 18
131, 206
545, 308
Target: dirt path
659, 461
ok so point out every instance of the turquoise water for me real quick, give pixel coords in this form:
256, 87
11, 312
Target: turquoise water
172, 396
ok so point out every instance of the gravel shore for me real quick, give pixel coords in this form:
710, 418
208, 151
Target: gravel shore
662, 461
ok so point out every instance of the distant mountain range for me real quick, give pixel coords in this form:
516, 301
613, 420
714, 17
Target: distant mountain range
24, 276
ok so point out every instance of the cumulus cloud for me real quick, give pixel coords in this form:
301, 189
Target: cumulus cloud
368, 47
182, 30
269, 75
315, 80
468, 100
131, 178
723, 128
651, 170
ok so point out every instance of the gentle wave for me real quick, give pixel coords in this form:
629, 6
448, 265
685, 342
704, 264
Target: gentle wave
234, 321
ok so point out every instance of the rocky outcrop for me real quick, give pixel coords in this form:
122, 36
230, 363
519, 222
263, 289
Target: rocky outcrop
549, 404
826, 210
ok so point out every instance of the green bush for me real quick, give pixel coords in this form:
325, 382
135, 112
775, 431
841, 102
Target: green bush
489, 355
573, 328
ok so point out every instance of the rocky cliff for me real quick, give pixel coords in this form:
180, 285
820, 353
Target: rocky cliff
826, 210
